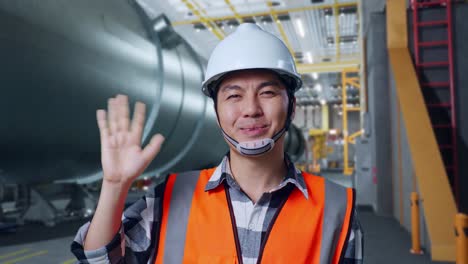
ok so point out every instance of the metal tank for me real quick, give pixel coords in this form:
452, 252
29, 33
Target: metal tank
294, 143
62, 60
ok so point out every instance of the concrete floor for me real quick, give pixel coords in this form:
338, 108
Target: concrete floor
37, 244
384, 242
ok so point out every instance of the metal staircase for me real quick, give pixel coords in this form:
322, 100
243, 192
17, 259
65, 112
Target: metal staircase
433, 59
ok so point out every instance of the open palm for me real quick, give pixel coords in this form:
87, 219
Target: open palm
122, 157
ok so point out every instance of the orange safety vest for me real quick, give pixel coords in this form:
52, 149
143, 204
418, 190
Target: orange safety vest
197, 226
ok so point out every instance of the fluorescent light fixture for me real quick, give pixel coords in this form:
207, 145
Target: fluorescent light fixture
309, 57
300, 28
318, 87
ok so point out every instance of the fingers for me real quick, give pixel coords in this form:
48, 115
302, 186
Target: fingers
118, 113
111, 106
123, 113
102, 124
119, 120
138, 121
153, 148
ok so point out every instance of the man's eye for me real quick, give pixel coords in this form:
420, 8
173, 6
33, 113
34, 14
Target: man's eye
268, 92
232, 96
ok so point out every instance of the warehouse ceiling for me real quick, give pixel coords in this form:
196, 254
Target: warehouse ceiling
310, 28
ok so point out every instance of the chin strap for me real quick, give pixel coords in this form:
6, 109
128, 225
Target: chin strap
255, 147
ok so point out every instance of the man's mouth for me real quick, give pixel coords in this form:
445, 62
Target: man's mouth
254, 131
249, 128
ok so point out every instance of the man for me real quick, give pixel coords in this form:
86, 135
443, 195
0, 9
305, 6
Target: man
254, 207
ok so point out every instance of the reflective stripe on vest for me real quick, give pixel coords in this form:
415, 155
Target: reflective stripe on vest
196, 226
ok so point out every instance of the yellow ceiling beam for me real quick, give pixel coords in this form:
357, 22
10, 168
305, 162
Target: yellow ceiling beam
352, 65
255, 14
208, 22
233, 9
280, 28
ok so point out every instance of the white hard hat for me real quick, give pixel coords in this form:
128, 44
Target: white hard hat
250, 47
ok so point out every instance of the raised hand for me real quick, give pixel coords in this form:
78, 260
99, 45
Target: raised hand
122, 157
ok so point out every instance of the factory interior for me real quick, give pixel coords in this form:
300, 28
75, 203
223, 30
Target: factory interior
381, 110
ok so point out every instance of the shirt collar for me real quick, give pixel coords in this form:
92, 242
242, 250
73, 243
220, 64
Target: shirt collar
223, 173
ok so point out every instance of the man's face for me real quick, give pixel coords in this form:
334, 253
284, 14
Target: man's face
252, 104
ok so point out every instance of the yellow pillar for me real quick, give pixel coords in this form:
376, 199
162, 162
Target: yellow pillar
461, 232
415, 230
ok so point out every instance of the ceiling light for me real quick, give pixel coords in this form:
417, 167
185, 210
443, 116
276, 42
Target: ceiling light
300, 27
323, 102
318, 87
315, 75
309, 57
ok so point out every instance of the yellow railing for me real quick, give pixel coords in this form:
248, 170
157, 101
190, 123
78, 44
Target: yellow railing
338, 66
351, 81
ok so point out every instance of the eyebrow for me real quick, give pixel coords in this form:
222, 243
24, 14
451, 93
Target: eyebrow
237, 87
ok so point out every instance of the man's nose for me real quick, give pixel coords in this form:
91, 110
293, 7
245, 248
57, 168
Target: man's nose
252, 107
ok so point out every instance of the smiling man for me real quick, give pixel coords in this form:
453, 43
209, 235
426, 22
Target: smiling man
255, 207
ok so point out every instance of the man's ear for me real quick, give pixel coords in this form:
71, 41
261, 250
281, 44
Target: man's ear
216, 113
293, 108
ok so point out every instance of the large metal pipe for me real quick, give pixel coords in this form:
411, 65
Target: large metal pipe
62, 60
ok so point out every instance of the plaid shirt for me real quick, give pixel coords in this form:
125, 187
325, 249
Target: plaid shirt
252, 222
